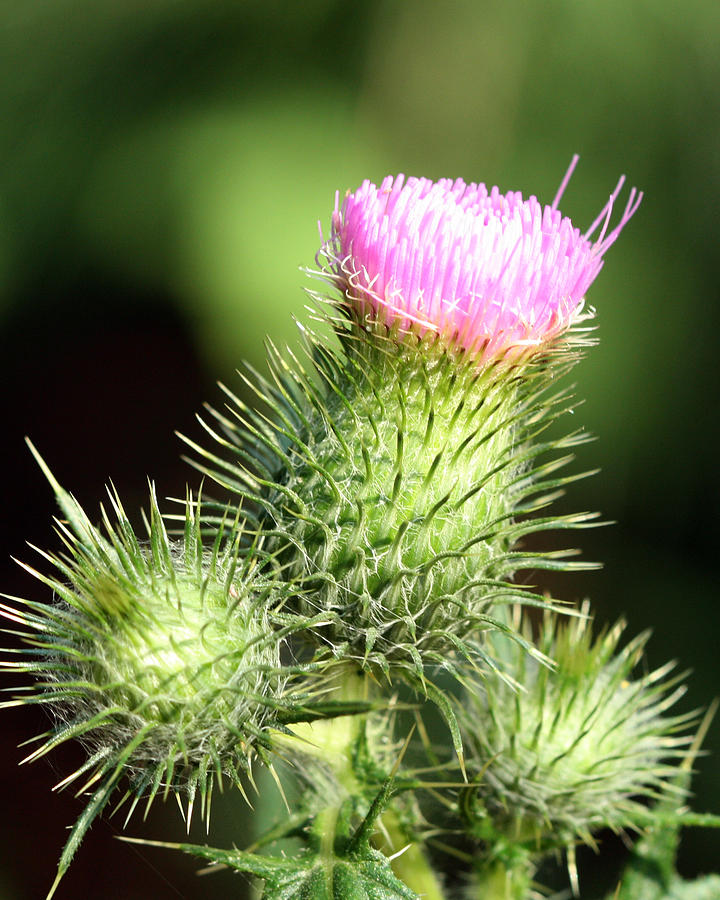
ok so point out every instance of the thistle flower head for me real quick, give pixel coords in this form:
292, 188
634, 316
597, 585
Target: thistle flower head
578, 747
492, 274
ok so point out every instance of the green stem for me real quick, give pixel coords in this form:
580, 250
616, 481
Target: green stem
497, 881
334, 740
412, 866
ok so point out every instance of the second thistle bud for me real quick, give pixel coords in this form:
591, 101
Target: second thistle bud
576, 747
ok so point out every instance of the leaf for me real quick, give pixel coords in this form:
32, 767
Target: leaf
361, 879
329, 709
361, 874
340, 864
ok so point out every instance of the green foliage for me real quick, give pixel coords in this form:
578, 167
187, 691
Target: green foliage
311, 877
339, 862
707, 888
644, 882
650, 873
380, 497
364, 875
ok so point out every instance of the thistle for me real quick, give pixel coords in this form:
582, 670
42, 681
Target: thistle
580, 747
162, 657
396, 477
380, 497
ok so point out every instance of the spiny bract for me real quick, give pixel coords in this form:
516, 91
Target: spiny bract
394, 482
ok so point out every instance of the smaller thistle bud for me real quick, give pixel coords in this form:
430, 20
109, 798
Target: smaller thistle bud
576, 748
159, 657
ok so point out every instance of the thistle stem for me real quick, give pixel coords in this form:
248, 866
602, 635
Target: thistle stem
335, 740
498, 881
412, 865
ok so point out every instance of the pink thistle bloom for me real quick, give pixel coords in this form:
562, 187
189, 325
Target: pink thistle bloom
491, 273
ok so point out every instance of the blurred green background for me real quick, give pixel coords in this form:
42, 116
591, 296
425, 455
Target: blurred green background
164, 165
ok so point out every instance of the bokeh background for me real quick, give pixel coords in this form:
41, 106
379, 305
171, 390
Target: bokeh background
163, 167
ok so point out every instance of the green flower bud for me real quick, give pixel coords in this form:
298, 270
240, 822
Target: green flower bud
576, 748
395, 481
159, 656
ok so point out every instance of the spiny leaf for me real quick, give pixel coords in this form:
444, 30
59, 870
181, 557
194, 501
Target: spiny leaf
362, 874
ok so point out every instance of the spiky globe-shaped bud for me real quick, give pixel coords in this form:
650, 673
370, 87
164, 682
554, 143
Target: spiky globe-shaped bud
397, 495
577, 747
159, 656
